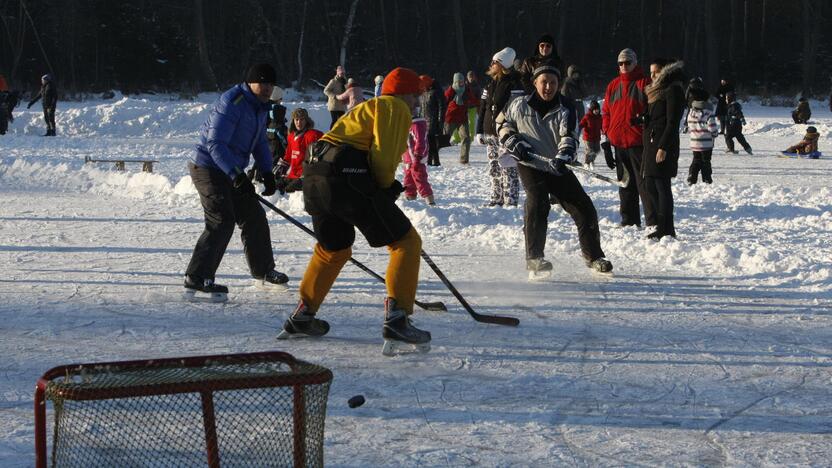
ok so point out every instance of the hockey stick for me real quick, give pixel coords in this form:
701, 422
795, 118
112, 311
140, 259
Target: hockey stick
496, 319
431, 306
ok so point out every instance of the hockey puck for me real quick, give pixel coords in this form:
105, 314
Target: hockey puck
356, 401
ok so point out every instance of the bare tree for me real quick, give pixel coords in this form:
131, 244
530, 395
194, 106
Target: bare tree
299, 82
347, 32
202, 46
460, 37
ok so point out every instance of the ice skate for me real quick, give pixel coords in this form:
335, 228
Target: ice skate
400, 336
204, 290
600, 265
302, 324
539, 269
273, 280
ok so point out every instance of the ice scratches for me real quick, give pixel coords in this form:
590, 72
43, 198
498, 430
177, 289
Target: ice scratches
745, 408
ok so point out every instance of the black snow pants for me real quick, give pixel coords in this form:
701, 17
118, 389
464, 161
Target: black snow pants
49, 117
569, 193
224, 207
701, 162
729, 140
659, 189
635, 190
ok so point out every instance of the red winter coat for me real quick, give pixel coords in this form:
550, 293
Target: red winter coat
296, 150
455, 112
624, 100
591, 124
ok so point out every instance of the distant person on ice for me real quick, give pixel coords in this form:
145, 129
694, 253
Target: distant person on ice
803, 112
289, 169
702, 129
336, 86
50, 101
591, 124
233, 131
415, 178
432, 109
353, 96
808, 145
460, 98
544, 54
721, 104
734, 121
545, 123
349, 182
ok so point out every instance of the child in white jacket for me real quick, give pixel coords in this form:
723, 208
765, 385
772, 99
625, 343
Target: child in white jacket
702, 127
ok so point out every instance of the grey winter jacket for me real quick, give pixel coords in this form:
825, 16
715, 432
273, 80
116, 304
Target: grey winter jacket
555, 133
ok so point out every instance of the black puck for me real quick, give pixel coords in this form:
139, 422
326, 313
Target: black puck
356, 401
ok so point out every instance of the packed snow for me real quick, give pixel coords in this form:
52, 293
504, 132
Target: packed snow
714, 348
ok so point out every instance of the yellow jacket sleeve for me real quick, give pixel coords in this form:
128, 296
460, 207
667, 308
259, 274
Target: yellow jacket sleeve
380, 127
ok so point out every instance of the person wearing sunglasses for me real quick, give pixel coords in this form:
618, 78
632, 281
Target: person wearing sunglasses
624, 103
545, 54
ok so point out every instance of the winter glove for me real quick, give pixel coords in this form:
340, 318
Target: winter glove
518, 147
282, 183
638, 120
254, 175
269, 184
608, 157
281, 167
394, 190
242, 184
30, 105
558, 165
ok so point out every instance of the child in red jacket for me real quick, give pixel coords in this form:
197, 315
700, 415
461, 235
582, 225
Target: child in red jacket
288, 171
591, 123
414, 159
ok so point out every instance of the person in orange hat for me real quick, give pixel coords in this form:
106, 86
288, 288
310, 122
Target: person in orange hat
349, 182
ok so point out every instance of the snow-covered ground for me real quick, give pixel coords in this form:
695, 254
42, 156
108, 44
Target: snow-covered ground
711, 349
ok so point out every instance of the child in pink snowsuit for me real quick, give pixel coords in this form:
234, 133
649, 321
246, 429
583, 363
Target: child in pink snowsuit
415, 171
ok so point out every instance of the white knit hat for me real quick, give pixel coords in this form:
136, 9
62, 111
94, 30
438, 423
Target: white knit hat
628, 55
277, 94
505, 57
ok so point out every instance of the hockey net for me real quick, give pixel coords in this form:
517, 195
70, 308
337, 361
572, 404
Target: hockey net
258, 409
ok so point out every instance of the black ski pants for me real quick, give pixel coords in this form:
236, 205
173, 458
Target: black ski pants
569, 193
729, 140
701, 162
635, 190
335, 115
662, 197
49, 117
224, 207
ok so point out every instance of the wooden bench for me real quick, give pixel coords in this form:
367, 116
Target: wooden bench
118, 164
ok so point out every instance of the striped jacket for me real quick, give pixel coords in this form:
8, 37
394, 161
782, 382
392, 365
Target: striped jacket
702, 126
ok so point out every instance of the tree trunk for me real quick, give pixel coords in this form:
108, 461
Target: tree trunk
298, 84
347, 32
711, 46
385, 38
563, 27
202, 47
429, 31
811, 29
460, 38
763, 26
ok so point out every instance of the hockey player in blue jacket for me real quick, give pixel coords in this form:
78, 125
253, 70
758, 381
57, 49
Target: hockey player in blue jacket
234, 130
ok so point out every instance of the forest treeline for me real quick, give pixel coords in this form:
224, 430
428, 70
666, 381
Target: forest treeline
765, 46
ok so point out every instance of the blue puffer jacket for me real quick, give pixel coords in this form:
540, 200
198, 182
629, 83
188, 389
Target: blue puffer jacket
235, 129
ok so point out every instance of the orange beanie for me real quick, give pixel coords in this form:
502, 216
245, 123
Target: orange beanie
401, 81
427, 82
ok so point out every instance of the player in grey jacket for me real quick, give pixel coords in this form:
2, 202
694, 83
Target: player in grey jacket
545, 123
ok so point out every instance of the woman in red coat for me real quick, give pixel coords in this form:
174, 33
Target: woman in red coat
301, 134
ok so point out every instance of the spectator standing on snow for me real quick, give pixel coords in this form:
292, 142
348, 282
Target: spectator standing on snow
694, 91
276, 129
353, 96
591, 124
415, 180
545, 54
504, 86
336, 86
665, 105
573, 88
702, 129
432, 108
624, 102
49, 95
8, 101
802, 113
349, 182
459, 98
289, 169
721, 104
232, 132
734, 121
473, 82
545, 123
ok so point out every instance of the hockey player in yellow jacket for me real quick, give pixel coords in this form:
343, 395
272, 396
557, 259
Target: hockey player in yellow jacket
349, 182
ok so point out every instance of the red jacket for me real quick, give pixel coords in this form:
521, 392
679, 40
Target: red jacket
591, 124
455, 112
625, 99
296, 150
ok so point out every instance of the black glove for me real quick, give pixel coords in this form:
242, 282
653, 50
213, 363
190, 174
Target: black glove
269, 184
558, 164
608, 157
30, 105
282, 183
517, 147
254, 175
394, 190
281, 167
242, 184
638, 120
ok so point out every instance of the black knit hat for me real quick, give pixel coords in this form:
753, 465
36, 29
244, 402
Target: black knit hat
261, 73
546, 38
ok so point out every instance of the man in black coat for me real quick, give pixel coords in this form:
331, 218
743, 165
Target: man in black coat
546, 54
50, 100
721, 106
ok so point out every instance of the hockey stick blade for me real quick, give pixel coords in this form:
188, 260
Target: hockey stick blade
429, 306
484, 318
625, 177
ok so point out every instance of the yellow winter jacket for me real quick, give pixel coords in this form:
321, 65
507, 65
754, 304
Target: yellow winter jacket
379, 126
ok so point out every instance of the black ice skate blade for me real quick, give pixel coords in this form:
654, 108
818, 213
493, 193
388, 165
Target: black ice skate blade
394, 348
274, 287
193, 295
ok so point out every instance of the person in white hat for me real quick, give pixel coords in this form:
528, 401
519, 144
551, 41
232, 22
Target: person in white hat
505, 85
